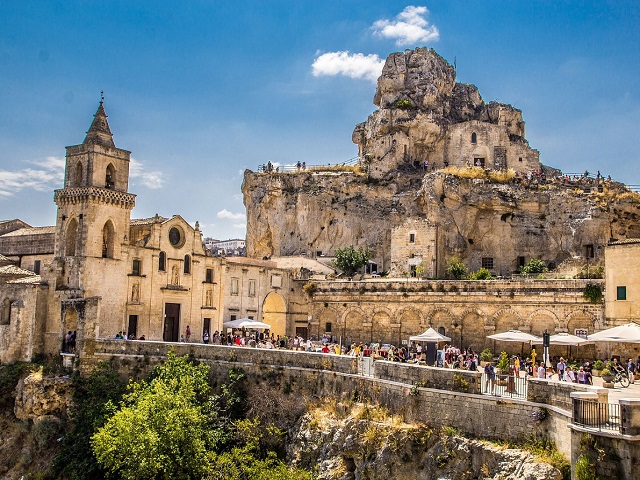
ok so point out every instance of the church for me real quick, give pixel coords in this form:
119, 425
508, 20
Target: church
98, 272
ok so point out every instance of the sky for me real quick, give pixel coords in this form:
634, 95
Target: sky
199, 91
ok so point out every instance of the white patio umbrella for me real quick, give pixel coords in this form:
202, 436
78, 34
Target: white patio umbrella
568, 339
629, 333
246, 323
430, 335
515, 336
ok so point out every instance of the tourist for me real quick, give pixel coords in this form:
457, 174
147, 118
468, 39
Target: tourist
561, 366
490, 373
631, 370
516, 366
181, 338
67, 342
542, 372
581, 377
568, 375
142, 338
205, 337
187, 334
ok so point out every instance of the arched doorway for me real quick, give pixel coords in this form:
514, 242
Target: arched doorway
275, 313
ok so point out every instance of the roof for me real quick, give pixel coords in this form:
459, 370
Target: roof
299, 262
13, 270
629, 241
251, 261
29, 279
99, 131
147, 221
31, 231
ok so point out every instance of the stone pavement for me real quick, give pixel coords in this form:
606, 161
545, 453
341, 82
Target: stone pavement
615, 394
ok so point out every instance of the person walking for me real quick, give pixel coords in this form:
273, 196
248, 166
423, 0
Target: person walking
631, 369
560, 367
490, 373
187, 334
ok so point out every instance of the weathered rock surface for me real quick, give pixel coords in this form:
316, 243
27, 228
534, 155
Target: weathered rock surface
38, 397
353, 449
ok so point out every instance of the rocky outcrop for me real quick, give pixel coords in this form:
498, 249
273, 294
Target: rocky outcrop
354, 447
39, 397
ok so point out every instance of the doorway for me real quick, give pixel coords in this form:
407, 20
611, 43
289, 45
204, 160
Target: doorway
171, 322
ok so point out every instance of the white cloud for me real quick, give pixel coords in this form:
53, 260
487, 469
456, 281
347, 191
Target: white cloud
47, 175
239, 226
353, 65
408, 28
152, 180
233, 216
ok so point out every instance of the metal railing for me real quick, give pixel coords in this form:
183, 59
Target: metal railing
601, 416
289, 168
505, 386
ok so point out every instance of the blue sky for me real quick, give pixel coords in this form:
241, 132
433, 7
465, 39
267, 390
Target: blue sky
198, 91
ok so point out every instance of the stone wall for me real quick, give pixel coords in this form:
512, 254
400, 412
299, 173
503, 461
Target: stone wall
414, 244
559, 393
429, 377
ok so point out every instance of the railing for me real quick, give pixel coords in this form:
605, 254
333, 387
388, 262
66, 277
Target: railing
601, 416
505, 386
295, 167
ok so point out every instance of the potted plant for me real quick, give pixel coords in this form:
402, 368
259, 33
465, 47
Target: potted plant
503, 369
486, 355
597, 367
607, 377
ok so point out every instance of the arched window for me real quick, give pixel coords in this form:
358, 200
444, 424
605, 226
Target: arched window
110, 177
78, 179
162, 261
5, 312
71, 238
187, 264
441, 330
107, 240
474, 138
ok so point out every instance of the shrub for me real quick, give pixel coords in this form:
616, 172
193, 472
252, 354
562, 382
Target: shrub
403, 103
486, 355
482, 274
456, 269
593, 293
503, 363
310, 288
533, 266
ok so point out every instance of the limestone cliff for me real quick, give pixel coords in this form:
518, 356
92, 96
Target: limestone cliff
436, 155
357, 446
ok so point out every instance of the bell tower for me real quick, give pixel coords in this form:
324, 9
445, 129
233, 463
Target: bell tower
94, 207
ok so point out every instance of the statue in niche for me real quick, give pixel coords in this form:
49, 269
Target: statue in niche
209, 299
135, 293
174, 275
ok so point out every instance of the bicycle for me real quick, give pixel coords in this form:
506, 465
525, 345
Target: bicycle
622, 379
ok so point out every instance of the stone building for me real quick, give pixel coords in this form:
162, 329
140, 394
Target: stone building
102, 272
414, 246
622, 275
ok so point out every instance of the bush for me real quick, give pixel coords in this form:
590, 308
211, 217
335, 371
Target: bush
456, 269
598, 365
533, 266
593, 293
503, 363
482, 274
486, 355
310, 288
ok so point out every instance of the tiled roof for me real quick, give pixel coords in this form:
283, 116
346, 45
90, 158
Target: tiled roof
29, 279
147, 221
13, 270
31, 231
628, 241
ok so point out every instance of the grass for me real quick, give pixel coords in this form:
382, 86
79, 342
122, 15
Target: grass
496, 176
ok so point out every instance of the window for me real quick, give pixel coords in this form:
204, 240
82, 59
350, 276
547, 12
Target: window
71, 238
233, 317
107, 240
136, 267
441, 330
327, 327
412, 238
209, 275
162, 261
487, 262
478, 162
110, 177
621, 293
5, 312
234, 286
474, 138
36, 267
78, 174
252, 288
589, 251
521, 262
414, 271
187, 264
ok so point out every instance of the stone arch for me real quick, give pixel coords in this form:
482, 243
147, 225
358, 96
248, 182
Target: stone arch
274, 313
352, 328
504, 320
542, 319
472, 332
78, 174
410, 322
108, 240
110, 176
381, 331
71, 238
442, 318
323, 316
578, 320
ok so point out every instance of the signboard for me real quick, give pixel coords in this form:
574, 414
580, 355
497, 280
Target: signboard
581, 332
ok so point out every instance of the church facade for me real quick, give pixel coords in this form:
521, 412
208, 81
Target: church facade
98, 272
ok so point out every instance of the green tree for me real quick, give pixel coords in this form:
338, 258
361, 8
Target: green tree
456, 269
533, 266
350, 259
162, 429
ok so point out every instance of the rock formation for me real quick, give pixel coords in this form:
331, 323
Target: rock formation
506, 211
353, 447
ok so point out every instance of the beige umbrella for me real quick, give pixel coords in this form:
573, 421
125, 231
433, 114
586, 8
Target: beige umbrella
629, 333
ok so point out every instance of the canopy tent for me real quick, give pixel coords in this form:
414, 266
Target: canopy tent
515, 336
246, 323
430, 335
568, 339
628, 333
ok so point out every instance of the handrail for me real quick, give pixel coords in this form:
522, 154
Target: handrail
302, 166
